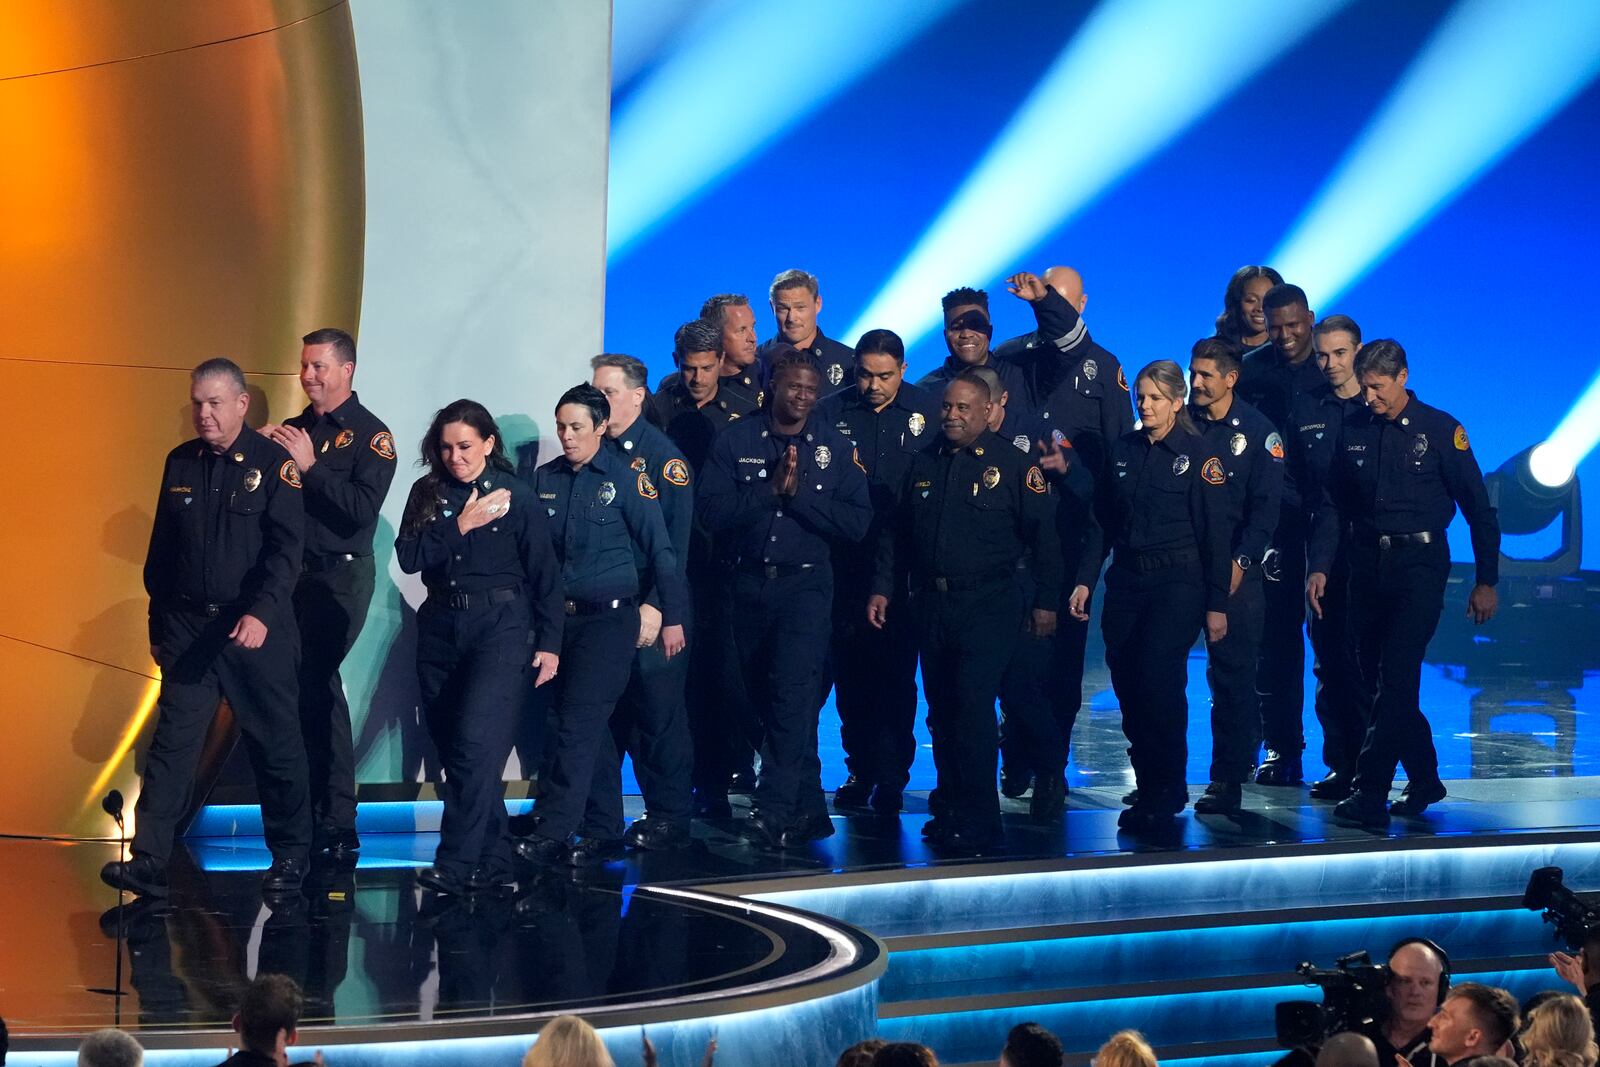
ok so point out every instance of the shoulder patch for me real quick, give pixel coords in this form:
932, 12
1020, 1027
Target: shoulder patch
647, 488
290, 473
1035, 480
1275, 445
1122, 380
383, 444
675, 472
1461, 439
1212, 472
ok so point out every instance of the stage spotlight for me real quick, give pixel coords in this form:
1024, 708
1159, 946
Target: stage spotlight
739, 81
1449, 120
1134, 76
1532, 489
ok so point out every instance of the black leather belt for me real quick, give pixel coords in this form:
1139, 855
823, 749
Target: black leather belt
965, 582
327, 563
210, 611
467, 601
1149, 562
595, 607
775, 570
1396, 540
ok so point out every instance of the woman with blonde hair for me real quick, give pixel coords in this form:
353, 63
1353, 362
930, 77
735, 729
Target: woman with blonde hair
568, 1042
1559, 1034
1127, 1048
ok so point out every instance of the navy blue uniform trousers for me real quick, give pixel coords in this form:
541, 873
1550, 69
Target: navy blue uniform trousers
330, 607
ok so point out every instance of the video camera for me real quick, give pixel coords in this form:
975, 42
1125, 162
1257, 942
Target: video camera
1575, 922
1352, 996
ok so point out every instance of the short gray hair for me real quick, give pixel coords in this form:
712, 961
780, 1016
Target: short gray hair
220, 368
633, 371
110, 1048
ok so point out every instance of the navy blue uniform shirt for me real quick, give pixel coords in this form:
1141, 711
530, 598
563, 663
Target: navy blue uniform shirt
645, 448
345, 487
1252, 451
601, 515
836, 361
832, 504
515, 549
1169, 495
229, 531
884, 440
1314, 426
1011, 376
1273, 386
744, 387
692, 427
1405, 475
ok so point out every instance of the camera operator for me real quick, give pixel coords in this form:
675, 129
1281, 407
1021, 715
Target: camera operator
1417, 972
1583, 971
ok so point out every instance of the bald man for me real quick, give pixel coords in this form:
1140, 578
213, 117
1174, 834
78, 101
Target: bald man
1348, 1050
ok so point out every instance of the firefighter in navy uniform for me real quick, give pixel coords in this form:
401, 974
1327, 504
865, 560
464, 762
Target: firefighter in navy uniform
694, 410
1399, 472
1252, 452
1034, 740
653, 722
741, 375
967, 333
1315, 422
969, 508
476, 534
1272, 379
224, 554
1166, 516
796, 302
889, 421
783, 489
346, 457
604, 518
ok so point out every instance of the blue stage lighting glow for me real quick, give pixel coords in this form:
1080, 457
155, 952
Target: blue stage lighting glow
1492, 74
695, 119
1575, 436
1133, 77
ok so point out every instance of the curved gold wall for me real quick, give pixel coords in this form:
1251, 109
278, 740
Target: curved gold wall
178, 179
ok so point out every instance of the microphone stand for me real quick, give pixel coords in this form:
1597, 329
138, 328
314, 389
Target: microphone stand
116, 991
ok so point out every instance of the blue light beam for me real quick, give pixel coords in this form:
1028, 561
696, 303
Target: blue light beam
744, 76
1492, 74
1134, 76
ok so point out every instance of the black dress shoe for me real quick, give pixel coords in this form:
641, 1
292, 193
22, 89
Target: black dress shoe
1280, 768
1415, 798
652, 832
888, 800
486, 879
852, 793
804, 830
540, 851
442, 880
522, 825
965, 841
1131, 797
1014, 784
593, 851
1049, 801
1145, 819
709, 805
141, 875
936, 829
741, 783
1363, 809
1334, 787
762, 830
286, 875
337, 843
1220, 798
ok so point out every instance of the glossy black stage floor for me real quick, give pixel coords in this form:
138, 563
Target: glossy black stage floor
869, 931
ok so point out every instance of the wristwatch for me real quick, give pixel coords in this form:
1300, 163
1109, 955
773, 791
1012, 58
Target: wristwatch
1243, 562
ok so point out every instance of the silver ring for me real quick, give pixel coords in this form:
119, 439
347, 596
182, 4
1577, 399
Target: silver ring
494, 509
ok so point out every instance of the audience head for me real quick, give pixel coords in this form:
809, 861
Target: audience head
1289, 321
1474, 1020
967, 328
110, 1048
904, 1054
218, 400
1031, 1045
795, 304
731, 312
268, 1020
1348, 1050
1559, 1034
1416, 976
1487, 1061
1242, 314
860, 1054
1127, 1048
880, 366
568, 1041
